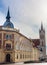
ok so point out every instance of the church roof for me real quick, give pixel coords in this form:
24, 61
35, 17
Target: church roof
36, 42
8, 23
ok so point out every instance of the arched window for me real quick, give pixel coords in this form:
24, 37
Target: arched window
23, 56
17, 56
8, 36
20, 56
8, 46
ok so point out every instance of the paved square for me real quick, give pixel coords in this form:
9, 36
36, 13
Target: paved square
26, 64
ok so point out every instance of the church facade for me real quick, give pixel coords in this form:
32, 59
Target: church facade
41, 43
15, 47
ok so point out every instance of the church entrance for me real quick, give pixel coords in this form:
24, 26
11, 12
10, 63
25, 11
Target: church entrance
8, 58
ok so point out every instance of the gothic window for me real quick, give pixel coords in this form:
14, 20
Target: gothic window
41, 49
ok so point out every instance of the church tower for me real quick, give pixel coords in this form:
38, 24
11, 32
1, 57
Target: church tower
8, 23
42, 41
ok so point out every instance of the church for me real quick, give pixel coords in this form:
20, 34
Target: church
15, 47
41, 43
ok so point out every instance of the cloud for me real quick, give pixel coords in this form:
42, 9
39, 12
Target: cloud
27, 15
2, 18
21, 13
27, 30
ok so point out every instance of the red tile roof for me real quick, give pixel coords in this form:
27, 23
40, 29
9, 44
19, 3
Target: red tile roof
36, 42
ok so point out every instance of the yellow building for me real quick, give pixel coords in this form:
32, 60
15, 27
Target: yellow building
35, 54
15, 47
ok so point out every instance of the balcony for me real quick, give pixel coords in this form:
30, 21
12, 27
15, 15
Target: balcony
8, 48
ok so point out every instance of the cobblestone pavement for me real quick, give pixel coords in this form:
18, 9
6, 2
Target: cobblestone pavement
25, 64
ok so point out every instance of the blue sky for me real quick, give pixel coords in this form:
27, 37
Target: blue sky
26, 15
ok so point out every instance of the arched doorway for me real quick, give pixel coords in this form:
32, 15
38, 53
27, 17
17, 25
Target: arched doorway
8, 58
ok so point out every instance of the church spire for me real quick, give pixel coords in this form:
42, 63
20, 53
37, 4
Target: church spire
41, 26
8, 14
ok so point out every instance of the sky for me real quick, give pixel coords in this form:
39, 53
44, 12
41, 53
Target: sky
26, 15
